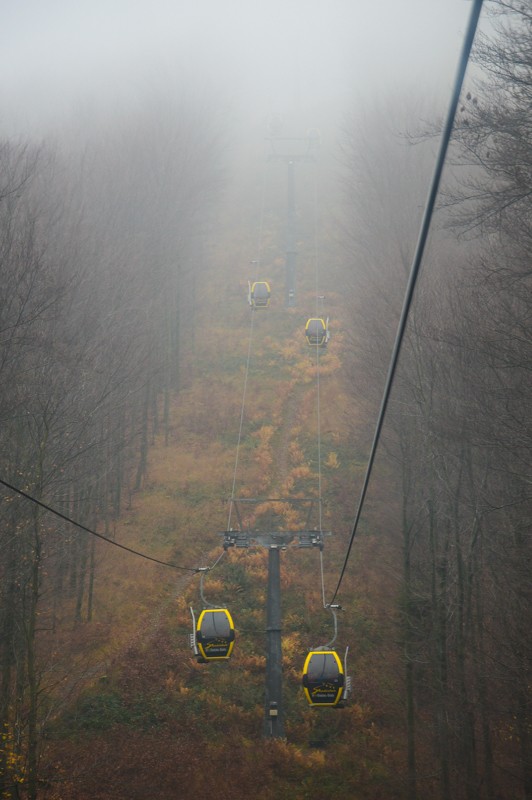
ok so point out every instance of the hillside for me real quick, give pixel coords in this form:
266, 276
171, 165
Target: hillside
142, 717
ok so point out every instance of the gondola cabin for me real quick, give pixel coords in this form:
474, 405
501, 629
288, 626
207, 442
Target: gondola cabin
317, 332
323, 678
215, 634
259, 294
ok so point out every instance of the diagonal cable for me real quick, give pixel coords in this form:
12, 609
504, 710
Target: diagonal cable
416, 264
89, 530
257, 263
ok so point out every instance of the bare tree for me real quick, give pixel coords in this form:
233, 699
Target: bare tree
95, 272
458, 430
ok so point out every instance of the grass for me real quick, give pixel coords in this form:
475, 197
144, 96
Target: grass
151, 680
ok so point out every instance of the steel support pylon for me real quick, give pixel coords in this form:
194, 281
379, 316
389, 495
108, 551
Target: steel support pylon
273, 707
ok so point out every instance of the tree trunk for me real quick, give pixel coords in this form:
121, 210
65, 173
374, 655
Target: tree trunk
143, 455
409, 647
31, 657
92, 572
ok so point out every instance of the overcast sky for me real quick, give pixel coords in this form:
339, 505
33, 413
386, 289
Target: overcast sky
264, 56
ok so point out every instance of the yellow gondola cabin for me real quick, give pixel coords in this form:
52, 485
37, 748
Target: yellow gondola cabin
323, 678
214, 634
317, 332
259, 294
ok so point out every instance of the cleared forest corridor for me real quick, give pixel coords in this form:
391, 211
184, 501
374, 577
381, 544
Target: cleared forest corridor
148, 658
152, 167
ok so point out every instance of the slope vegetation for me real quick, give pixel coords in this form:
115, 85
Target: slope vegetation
144, 719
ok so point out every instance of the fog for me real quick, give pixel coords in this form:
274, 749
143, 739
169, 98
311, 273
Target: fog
308, 62
136, 211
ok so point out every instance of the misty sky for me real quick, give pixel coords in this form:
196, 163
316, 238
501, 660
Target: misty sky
57, 56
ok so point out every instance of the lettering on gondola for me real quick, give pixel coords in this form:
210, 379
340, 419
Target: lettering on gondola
218, 648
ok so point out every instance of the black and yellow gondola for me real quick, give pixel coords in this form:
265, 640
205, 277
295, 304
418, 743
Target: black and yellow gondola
215, 634
323, 678
317, 332
259, 294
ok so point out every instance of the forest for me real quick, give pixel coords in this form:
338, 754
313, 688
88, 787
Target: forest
132, 369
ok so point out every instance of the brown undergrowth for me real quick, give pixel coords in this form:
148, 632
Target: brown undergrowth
142, 718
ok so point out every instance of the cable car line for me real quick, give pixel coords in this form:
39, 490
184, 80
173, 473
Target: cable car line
324, 677
222, 554
416, 264
257, 263
317, 329
322, 581
92, 532
318, 396
316, 278
213, 635
241, 424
